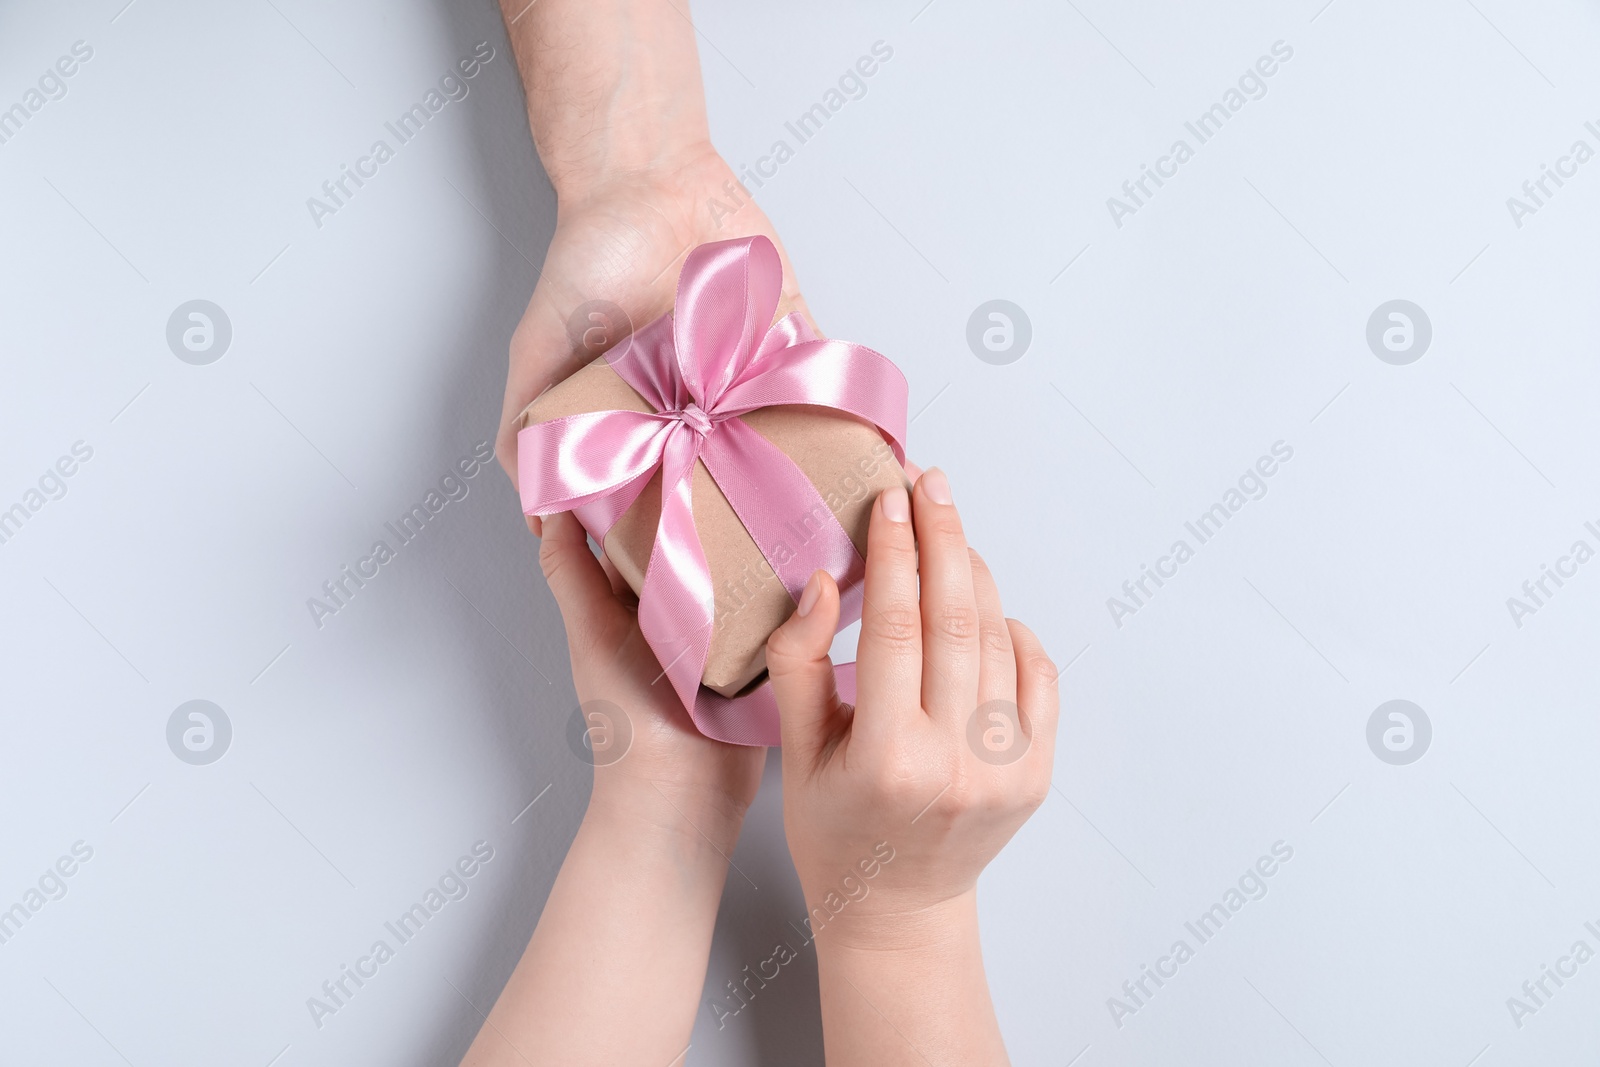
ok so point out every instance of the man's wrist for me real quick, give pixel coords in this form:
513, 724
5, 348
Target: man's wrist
680, 170
613, 89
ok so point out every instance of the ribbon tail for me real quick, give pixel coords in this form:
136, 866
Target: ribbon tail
798, 538
676, 606
786, 517
600, 515
752, 718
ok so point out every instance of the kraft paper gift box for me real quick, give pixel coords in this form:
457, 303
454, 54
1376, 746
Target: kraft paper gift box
845, 458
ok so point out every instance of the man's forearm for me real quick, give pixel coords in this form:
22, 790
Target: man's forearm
613, 87
614, 970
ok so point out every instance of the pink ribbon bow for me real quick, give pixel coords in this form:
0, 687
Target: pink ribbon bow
711, 361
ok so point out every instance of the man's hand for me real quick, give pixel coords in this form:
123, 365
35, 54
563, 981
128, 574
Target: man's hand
618, 115
614, 971
623, 243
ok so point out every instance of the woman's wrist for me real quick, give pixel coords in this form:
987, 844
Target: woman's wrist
920, 966
896, 931
688, 821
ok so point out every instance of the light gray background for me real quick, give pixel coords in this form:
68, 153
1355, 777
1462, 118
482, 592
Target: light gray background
1227, 314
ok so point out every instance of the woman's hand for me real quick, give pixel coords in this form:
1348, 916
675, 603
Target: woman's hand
906, 765
614, 970
893, 807
649, 760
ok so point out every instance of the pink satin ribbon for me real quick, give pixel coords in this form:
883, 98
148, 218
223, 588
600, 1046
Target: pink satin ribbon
709, 362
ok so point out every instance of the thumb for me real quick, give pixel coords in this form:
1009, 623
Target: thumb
541, 353
533, 367
798, 664
539, 350
589, 609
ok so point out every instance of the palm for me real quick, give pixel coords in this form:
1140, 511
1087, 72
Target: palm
625, 246
662, 746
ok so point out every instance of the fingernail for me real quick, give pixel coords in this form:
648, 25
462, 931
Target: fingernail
896, 505
936, 485
808, 597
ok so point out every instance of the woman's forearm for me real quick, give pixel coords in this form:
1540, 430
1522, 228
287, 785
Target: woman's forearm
614, 970
909, 992
613, 87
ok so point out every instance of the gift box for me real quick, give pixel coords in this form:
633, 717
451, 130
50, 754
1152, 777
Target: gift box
720, 458
845, 459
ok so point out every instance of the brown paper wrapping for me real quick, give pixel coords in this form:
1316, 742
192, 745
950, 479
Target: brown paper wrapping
845, 458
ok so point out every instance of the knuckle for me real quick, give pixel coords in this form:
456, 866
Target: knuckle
1040, 669
1012, 806
993, 808
996, 642
889, 548
968, 796
551, 559
1034, 792
890, 788
897, 626
779, 665
780, 647
550, 563
943, 527
958, 622
783, 655
899, 775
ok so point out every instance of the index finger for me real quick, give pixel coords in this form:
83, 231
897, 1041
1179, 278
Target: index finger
889, 657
